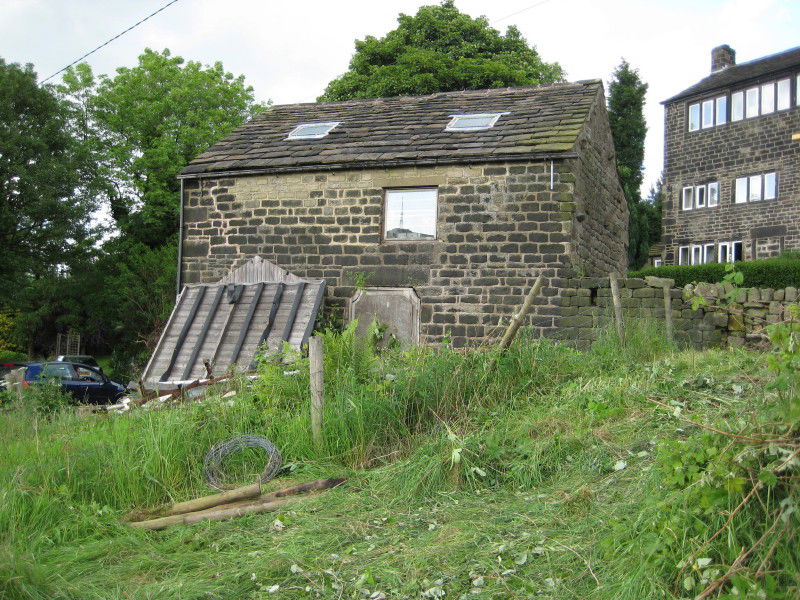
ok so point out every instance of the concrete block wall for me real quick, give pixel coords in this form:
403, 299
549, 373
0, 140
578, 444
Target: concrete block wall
585, 306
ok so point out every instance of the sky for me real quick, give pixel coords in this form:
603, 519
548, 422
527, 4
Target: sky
289, 51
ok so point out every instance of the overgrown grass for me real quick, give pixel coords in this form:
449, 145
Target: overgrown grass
547, 476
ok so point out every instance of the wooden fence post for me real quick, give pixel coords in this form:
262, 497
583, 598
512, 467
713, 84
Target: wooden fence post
612, 277
519, 318
668, 312
315, 353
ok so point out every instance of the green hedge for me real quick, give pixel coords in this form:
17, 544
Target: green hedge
772, 273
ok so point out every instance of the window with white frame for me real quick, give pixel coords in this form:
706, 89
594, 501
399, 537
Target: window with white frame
708, 113
700, 196
684, 258
728, 252
784, 96
473, 122
709, 253
737, 106
768, 98
658, 262
688, 198
410, 214
311, 131
755, 188
751, 102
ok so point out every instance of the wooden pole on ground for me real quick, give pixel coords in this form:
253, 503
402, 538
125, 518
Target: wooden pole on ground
315, 353
519, 318
242, 493
668, 312
612, 277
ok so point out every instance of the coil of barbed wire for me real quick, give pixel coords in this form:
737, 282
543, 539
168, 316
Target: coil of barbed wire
212, 464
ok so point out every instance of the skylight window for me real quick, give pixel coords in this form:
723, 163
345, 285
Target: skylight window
473, 122
311, 131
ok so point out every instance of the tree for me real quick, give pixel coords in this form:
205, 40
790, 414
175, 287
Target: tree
440, 49
150, 121
626, 96
42, 222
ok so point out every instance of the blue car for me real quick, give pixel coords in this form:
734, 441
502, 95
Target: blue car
86, 384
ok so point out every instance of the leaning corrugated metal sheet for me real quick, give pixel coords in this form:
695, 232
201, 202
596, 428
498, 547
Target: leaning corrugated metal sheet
225, 324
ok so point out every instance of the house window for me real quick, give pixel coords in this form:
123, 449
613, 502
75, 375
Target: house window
737, 106
658, 262
729, 252
756, 187
709, 256
713, 194
697, 255
767, 98
683, 255
797, 91
410, 214
694, 117
473, 122
784, 94
770, 186
751, 103
688, 198
708, 114
722, 110
700, 196
311, 131
741, 190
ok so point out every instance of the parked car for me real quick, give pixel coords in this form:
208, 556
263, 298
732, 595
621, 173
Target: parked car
83, 359
85, 383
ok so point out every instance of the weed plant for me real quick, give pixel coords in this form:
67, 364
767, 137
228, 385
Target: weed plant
543, 472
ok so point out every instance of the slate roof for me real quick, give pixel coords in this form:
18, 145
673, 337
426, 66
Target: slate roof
410, 130
741, 73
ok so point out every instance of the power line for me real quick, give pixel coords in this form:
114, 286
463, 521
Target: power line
514, 14
107, 42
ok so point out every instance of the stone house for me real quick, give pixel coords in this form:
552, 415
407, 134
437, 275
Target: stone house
731, 158
456, 200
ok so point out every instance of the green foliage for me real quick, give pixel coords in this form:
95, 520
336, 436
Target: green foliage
772, 273
12, 356
626, 97
437, 50
45, 397
42, 222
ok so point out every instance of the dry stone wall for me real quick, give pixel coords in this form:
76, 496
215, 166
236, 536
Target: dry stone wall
585, 306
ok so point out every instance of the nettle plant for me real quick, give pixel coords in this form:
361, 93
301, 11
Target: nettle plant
733, 294
736, 491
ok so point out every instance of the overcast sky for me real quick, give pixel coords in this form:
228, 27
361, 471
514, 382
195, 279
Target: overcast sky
288, 51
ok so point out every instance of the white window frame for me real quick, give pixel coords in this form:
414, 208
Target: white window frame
727, 248
387, 193
707, 113
708, 253
690, 205
756, 104
740, 198
783, 89
797, 91
658, 262
767, 103
451, 126
721, 108
737, 106
713, 194
755, 190
774, 177
688, 251
700, 191
697, 254
695, 106
296, 133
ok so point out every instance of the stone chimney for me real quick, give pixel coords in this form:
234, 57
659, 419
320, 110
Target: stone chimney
722, 57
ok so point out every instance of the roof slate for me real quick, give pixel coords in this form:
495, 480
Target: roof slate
743, 72
409, 130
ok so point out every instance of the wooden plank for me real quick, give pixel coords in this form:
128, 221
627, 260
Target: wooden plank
273, 311
159, 346
298, 298
314, 310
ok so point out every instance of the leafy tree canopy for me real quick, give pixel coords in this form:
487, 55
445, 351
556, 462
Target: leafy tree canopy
42, 222
148, 122
440, 49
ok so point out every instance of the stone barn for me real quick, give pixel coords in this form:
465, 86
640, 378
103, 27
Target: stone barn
435, 213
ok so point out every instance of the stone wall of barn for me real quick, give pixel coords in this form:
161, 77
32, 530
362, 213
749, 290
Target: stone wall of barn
498, 227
